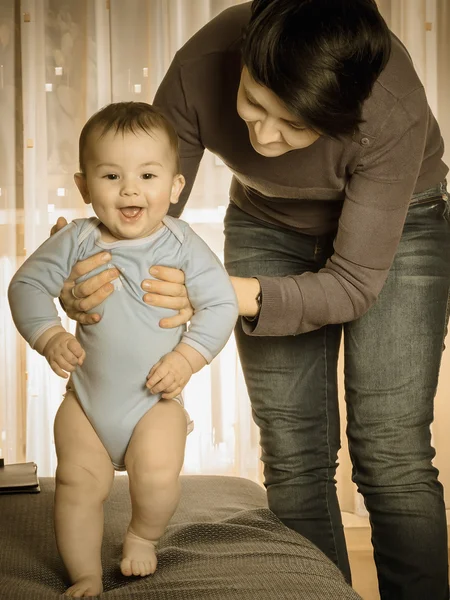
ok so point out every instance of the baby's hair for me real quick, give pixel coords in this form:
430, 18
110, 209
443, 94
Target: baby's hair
126, 117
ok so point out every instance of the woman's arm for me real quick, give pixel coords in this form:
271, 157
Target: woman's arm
168, 290
247, 290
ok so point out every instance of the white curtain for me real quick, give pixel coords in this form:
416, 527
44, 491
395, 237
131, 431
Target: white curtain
61, 60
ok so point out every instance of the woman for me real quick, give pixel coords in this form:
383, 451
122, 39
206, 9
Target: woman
338, 222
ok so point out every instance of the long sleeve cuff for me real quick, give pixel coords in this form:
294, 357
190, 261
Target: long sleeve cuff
276, 296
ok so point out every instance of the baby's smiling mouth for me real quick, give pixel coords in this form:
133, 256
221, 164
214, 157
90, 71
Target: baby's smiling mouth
131, 212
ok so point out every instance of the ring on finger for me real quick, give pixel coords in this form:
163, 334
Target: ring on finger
74, 295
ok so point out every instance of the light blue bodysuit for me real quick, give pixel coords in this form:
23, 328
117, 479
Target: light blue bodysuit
127, 342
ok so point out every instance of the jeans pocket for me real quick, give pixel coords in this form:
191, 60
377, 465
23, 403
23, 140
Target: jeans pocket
429, 211
445, 197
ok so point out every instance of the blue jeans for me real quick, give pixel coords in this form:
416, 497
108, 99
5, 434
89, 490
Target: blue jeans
392, 360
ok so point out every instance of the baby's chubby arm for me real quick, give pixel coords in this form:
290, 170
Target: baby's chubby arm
61, 349
216, 311
171, 374
31, 292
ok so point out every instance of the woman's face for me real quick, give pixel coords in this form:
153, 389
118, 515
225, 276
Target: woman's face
273, 130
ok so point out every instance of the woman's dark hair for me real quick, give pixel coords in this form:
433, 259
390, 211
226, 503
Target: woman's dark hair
320, 57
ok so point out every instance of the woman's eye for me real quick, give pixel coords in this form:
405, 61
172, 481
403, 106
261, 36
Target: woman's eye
252, 103
147, 176
297, 127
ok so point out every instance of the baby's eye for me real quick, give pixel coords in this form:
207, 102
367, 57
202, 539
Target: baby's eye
147, 176
112, 176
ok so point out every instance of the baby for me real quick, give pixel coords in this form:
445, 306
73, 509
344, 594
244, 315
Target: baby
123, 408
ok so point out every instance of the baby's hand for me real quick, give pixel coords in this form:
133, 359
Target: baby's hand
64, 351
169, 375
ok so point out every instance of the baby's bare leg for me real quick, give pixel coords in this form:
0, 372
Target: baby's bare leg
83, 480
154, 459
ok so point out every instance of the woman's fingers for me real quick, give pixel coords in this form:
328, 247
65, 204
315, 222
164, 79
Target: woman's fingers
181, 318
166, 288
89, 264
84, 318
167, 301
179, 303
74, 306
98, 284
167, 274
168, 291
87, 295
60, 223
82, 297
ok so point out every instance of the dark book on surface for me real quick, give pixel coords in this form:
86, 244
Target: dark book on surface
18, 478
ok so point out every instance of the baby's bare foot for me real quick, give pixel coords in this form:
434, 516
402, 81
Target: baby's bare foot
138, 556
88, 586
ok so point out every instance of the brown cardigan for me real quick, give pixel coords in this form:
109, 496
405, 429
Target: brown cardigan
358, 188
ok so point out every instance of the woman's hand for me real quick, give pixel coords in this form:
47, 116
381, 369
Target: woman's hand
79, 298
168, 291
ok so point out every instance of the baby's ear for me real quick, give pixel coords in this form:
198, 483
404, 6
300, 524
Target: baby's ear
80, 180
177, 188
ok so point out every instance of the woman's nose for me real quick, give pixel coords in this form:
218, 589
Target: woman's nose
267, 132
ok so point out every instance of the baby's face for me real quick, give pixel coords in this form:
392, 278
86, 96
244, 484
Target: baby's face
130, 181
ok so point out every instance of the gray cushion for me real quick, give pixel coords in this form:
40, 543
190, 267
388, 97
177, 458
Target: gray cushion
222, 543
